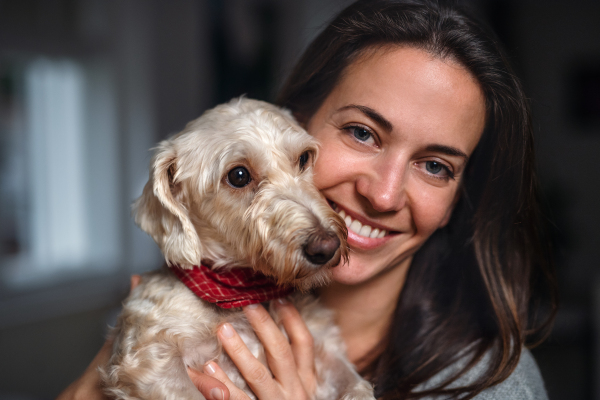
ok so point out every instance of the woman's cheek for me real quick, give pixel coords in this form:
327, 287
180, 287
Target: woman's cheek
333, 167
430, 207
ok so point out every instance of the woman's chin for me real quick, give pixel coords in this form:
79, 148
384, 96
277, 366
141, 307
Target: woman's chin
365, 266
352, 273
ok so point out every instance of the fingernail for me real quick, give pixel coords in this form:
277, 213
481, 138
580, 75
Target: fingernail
251, 306
210, 369
217, 394
282, 301
227, 330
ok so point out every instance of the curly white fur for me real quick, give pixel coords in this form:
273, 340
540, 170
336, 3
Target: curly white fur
194, 214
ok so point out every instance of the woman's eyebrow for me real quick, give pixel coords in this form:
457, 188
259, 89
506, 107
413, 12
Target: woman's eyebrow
451, 151
374, 115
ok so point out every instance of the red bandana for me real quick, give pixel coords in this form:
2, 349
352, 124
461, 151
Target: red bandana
231, 288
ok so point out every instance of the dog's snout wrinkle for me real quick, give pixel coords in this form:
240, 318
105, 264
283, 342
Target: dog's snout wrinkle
321, 247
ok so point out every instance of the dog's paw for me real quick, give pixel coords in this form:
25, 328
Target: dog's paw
361, 391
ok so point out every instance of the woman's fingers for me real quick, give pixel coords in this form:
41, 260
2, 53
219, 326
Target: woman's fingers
210, 386
291, 364
257, 376
302, 343
214, 371
277, 347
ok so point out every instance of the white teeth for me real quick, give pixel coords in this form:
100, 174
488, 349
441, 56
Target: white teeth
358, 228
365, 231
355, 226
345, 217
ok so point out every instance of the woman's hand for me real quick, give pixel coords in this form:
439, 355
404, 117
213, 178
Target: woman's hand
291, 363
88, 386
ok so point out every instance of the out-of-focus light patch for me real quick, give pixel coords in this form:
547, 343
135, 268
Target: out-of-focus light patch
70, 224
54, 103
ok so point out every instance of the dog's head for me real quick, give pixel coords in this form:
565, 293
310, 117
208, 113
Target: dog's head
235, 189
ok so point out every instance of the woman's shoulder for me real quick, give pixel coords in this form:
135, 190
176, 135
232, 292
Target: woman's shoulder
525, 382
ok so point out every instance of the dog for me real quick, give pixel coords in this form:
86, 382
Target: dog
229, 198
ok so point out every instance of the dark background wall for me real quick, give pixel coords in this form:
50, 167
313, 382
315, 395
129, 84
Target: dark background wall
159, 64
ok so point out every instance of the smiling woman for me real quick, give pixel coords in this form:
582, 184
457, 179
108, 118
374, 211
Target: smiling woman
427, 153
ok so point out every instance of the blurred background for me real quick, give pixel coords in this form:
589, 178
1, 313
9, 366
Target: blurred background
88, 86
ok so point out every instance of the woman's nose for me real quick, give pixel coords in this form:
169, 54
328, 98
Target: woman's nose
384, 187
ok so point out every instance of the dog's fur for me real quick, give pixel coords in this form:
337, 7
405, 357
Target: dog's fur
194, 214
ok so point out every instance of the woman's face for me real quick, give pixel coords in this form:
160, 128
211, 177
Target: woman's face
395, 136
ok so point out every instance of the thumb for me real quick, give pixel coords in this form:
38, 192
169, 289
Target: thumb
135, 280
211, 388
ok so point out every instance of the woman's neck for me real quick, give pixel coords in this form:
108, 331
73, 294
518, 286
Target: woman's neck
364, 312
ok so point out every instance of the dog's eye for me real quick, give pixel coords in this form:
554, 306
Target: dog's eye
303, 160
239, 177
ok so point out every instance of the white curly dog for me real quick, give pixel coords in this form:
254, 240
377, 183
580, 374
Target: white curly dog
232, 192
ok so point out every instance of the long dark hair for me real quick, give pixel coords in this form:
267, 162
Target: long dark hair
484, 284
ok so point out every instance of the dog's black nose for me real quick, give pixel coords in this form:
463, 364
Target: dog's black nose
321, 247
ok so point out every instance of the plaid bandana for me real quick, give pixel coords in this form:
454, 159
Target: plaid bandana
230, 288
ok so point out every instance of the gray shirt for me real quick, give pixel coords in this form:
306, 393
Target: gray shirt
525, 383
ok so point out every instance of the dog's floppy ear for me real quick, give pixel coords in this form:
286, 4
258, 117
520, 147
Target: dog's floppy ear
160, 212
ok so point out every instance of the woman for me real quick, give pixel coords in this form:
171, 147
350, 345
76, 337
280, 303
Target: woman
425, 136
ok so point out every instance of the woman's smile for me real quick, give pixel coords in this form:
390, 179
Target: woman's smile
363, 233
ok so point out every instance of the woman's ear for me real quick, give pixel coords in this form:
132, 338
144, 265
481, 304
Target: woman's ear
161, 213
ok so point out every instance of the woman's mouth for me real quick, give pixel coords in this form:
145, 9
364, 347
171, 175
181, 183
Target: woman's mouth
357, 227
362, 234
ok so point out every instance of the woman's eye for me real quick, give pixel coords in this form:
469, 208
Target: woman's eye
434, 167
360, 133
439, 170
239, 177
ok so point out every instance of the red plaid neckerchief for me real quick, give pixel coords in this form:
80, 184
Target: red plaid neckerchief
230, 288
